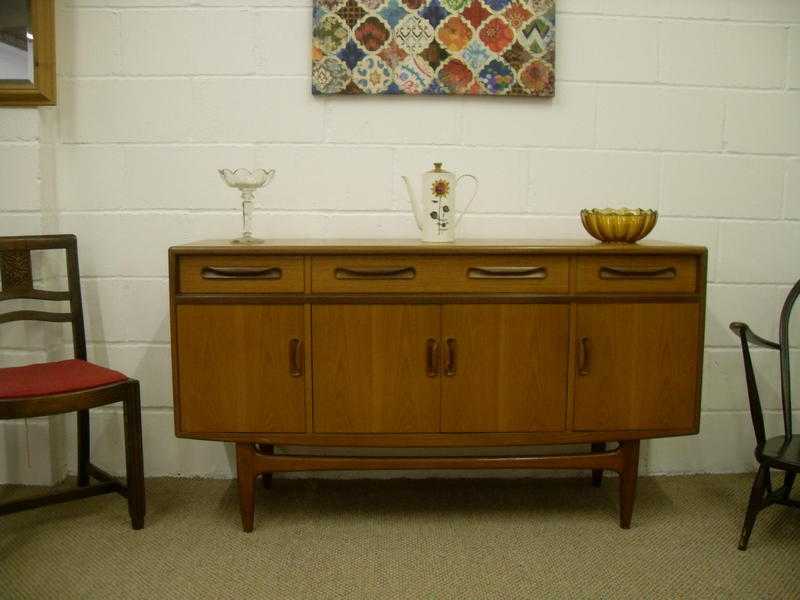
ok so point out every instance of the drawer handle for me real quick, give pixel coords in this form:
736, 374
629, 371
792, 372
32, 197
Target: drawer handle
450, 369
623, 273
432, 357
242, 272
295, 357
375, 273
583, 356
507, 272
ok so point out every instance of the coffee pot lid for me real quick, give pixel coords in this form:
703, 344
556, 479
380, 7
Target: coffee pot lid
437, 168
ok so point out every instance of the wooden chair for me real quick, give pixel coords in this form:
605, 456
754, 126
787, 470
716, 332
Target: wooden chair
67, 386
781, 452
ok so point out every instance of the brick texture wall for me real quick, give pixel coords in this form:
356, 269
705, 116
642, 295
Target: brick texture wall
689, 107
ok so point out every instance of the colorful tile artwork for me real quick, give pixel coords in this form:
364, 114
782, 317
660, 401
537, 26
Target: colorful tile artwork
491, 47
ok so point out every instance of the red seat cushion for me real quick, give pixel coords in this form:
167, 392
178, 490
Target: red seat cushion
44, 379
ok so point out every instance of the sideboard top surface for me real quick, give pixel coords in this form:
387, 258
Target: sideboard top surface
387, 246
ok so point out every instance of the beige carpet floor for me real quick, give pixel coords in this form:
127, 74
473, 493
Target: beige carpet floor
420, 539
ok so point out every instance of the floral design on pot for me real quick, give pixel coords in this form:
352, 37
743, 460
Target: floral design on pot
440, 188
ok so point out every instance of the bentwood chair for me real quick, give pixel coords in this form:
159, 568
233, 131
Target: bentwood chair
782, 452
70, 385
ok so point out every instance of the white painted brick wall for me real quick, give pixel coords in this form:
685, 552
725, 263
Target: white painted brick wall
744, 186
791, 201
686, 106
604, 53
660, 118
763, 122
793, 78
565, 121
708, 53
603, 179
19, 174
99, 51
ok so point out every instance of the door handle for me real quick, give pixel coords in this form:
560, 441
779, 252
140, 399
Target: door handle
450, 369
643, 273
295, 357
241, 273
583, 356
507, 272
375, 273
432, 357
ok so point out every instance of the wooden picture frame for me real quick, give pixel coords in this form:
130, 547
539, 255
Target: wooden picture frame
42, 91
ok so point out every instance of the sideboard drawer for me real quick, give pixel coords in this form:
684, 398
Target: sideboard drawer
253, 274
545, 274
636, 274
440, 274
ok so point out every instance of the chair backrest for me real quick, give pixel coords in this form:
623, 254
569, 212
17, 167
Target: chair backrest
783, 341
16, 283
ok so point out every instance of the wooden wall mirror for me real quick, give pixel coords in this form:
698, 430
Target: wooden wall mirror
27, 53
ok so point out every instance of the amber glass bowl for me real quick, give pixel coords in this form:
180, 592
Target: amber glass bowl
623, 225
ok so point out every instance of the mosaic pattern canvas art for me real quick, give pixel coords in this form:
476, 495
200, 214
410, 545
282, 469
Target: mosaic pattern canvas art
488, 47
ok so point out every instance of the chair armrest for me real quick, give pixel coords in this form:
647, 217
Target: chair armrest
742, 329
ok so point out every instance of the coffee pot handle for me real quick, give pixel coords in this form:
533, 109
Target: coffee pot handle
474, 193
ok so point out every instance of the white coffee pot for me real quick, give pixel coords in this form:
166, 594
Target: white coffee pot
435, 208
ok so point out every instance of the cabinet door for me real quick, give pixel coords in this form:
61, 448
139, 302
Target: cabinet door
240, 368
372, 371
505, 367
637, 366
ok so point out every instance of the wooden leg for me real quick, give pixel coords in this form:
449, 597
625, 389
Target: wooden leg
756, 501
627, 481
788, 482
83, 448
597, 474
246, 477
266, 478
134, 459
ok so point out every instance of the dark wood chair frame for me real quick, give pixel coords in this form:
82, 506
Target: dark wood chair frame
775, 453
17, 283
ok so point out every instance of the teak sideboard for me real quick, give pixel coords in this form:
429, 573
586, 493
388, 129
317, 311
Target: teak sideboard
404, 344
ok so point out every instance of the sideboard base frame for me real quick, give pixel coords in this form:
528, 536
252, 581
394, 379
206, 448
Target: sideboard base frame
254, 460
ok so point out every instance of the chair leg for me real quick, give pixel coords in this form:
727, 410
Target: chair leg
788, 482
134, 460
597, 474
755, 504
83, 448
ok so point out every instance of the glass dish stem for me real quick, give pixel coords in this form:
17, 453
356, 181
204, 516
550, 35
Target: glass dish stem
247, 219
